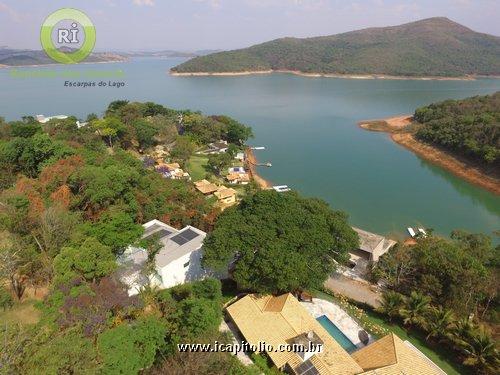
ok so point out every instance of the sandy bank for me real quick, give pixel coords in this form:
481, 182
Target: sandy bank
223, 74
252, 166
328, 75
398, 129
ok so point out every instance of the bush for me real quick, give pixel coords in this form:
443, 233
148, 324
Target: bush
5, 299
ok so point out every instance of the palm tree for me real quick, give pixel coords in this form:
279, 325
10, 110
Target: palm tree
391, 304
440, 322
462, 331
482, 353
415, 309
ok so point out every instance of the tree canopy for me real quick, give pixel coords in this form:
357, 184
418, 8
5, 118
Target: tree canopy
279, 242
456, 273
91, 260
129, 348
469, 127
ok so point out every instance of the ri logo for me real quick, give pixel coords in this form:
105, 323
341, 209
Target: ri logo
68, 36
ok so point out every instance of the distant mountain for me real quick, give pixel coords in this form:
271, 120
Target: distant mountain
430, 47
163, 53
23, 57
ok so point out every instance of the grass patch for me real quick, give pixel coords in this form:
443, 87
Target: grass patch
441, 356
23, 313
197, 167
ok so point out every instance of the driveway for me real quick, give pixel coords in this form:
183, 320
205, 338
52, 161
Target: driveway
355, 290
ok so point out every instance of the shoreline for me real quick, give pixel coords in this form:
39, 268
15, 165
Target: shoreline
59, 64
251, 161
328, 75
460, 167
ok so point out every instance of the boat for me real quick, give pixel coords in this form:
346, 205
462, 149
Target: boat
258, 148
281, 188
411, 231
422, 232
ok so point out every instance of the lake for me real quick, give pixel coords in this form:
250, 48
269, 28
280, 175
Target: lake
309, 128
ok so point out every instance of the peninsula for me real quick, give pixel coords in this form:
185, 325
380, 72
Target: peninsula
433, 48
460, 136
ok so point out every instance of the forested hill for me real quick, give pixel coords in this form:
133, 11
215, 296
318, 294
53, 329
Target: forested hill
429, 47
470, 127
25, 57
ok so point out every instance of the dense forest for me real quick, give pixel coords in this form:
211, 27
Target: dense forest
71, 199
446, 290
430, 47
469, 127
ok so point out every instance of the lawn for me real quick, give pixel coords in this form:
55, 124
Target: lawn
439, 355
196, 166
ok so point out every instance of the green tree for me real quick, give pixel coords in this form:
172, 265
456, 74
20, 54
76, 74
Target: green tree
219, 162
24, 130
90, 260
115, 106
115, 229
60, 353
236, 132
183, 149
482, 353
279, 242
109, 128
391, 304
98, 187
198, 316
415, 309
456, 273
145, 133
439, 322
463, 329
29, 155
129, 348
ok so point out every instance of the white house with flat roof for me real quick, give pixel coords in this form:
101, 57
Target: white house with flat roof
178, 260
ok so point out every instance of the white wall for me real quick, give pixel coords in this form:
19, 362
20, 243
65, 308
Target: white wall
175, 273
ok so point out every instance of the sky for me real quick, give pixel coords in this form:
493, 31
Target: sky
189, 25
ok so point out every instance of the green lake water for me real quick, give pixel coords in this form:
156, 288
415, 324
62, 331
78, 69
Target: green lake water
309, 128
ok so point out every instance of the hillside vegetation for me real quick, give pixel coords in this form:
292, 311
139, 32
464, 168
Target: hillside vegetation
23, 57
430, 47
469, 127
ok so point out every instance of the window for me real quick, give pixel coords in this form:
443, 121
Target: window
186, 264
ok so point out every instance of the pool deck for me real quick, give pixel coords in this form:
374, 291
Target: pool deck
339, 317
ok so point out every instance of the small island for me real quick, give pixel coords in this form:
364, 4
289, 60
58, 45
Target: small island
460, 136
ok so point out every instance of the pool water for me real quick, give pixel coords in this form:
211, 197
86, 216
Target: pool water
337, 334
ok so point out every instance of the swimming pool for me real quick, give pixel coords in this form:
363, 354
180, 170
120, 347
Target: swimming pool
337, 334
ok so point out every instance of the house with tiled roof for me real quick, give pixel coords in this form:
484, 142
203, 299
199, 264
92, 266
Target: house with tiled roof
392, 356
282, 320
205, 187
226, 196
